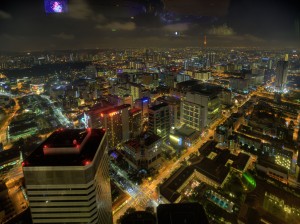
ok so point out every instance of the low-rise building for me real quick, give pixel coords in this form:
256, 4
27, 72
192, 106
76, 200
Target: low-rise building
143, 152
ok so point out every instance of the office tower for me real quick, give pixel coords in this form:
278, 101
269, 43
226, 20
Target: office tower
159, 120
186, 64
135, 122
95, 119
281, 75
136, 91
201, 106
116, 122
174, 107
270, 63
143, 104
67, 179
210, 59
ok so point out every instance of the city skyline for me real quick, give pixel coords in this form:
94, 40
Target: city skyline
117, 111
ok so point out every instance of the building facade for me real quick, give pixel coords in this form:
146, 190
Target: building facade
200, 108
281, 75
116, 122
159, 120
67, 178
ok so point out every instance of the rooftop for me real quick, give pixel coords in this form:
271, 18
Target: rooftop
60, 140
169, 99
185, 131
148, 140
169, 188
159, 106
135, 110
206, 89
212, 169
269, 164
115, 109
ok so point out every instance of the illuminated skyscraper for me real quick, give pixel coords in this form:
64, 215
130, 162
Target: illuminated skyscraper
159, 120
116, 122
201, 106
210, 59
143, 104
135, 122
281, 74
67, 178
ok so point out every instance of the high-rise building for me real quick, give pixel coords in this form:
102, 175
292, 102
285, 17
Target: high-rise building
174, 107
136, 91
95, 111
67, 178
159, 120
210, 59
201, 106
135, 122
281, 75
116, 122
143, 104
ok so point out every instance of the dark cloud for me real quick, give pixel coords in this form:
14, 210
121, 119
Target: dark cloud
4, 15
114, 26
178, 27
198, 7
64, 36
137, 23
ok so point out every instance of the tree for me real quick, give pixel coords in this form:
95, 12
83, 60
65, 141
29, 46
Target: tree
127, 212
150, 210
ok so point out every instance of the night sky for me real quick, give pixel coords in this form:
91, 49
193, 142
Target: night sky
24, 25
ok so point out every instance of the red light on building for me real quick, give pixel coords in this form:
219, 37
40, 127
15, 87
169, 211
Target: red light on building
101, 115
24, 163
45, 146
87, 162
89, 129
77, 146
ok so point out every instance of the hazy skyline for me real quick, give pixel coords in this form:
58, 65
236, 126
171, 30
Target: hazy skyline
136, 23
